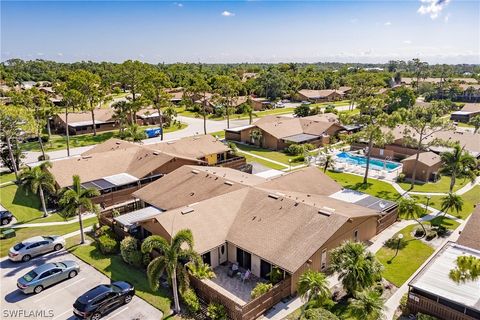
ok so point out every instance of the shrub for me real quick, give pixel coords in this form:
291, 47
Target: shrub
260, 289
276, 275
200, 270
440, 230
190, 300
419, 232
294, 149
298, 159
401, 177
430, 235
403, 304
378, 287
216, 311
107, 244
302, 110
319, 313
42, 158
421, 316
103, 230
130, 252
394, 242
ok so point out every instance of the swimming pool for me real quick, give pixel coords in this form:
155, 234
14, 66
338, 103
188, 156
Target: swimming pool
375, 164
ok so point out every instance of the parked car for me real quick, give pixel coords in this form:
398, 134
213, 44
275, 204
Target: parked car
47, 275
5, 217
102, 299
29, 248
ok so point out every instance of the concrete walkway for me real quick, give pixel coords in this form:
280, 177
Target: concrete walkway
46, 224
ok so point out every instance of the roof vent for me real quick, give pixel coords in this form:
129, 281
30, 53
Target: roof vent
118, 142
187, 210
156, 153
195, 171
229, 183
273, 196
326, 211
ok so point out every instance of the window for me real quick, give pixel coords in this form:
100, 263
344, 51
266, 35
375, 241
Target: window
46, 274
206, 258
355, 235
324, 258
244, 259
265, 269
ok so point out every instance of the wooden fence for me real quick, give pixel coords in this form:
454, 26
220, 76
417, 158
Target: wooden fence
251, 310
418, 303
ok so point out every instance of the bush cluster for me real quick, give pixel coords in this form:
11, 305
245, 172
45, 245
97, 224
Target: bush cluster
298, 149
190, 300
107, 244
216, 311
260, 289
130, 251
319, 313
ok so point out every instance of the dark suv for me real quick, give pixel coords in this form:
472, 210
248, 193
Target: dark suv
103, 299
5, 217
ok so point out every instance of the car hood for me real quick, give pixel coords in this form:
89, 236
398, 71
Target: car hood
70, 263
125, 286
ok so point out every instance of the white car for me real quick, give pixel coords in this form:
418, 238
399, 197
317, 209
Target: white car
29, 248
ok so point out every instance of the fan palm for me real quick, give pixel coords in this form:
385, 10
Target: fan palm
458, 164
451, 202
367, 305
77, 199
38, 180
201, 270
357, 267
313, 287
409, 209
328, 162
135, 133
171, 259
467, 269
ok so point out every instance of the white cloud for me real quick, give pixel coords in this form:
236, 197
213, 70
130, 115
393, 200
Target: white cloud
388, 23
407, 41
227, 13
178, 4
432, 7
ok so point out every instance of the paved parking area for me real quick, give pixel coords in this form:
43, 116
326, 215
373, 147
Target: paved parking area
56, 302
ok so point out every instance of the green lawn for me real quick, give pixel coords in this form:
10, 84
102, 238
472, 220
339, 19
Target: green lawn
114, 268
219, 134
58, 142
469, 198
25, 233
373, 187
335, 103
408, 260
25, 207
442, 185
273, 155
446, 222
7, 177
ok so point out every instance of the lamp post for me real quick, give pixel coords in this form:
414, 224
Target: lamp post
290, 164
428, 201
399, 237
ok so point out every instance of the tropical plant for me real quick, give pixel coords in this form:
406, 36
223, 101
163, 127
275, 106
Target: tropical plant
77, 199
216, 311
357, 268
328, 162
467, 269
190, 300
319, 313
451, 201
313, 289
72, 100
458, 164
408, 208
121, 112
38, 179
201, 270
260, 289
366, 305
256, 136
171, 259
276, 275
134, 133
475, 122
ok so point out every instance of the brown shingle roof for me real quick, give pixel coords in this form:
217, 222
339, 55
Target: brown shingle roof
318, 94
190, 184
471, 107
427, 158
470, 236
193, 147
103, 115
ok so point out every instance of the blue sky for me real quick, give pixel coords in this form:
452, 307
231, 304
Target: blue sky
242, 31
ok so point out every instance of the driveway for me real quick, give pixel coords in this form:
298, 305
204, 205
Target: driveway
55, 303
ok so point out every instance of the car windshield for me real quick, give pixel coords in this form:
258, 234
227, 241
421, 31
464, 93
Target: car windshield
19, 246
48, 238
80, 306
30, 276
60, 265
116, 288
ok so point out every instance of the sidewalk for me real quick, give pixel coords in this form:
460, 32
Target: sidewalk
46, 224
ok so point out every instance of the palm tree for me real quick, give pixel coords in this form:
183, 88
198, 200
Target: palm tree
313, 287
367, 305
134, 133
201, 270
357, 267
475, 122
77, 199
409, 209
121, 114
171, 259
328, 162
38, 179
457, 163
467, 269
451, 201
256, 136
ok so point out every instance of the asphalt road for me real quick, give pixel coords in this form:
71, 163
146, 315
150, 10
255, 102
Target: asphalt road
55, 303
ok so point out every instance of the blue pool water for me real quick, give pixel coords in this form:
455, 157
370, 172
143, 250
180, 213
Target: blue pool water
376, 164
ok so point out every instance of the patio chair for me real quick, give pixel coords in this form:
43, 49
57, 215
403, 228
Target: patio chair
233, 270
247, 276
